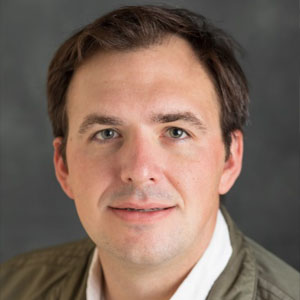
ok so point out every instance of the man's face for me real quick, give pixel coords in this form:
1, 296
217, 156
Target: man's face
146, 160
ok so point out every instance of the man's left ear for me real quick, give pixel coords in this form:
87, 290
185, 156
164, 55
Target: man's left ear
233, 164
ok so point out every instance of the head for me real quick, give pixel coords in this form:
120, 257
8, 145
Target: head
137, 27
147, 106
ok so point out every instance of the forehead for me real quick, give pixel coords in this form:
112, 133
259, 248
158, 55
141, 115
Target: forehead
156, 75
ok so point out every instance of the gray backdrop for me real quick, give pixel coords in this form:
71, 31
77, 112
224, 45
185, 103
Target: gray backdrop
265, 200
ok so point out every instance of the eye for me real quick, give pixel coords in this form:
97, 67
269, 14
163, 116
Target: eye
106, 134
177, 133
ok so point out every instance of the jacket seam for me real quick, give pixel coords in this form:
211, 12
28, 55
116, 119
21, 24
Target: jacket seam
48, 264
251, 253
271, 292
259, 278
57, 290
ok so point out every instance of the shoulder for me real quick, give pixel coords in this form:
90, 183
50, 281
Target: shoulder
61, 255
36, 274
275, 278
253, 272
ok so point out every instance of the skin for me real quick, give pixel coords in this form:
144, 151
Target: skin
145, 160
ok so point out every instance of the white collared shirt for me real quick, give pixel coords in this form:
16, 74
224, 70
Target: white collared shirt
199, 281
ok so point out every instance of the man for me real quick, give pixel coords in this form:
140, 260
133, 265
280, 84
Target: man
147, 106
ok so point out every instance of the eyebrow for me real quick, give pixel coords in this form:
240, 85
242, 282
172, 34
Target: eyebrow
94, 119
180, 116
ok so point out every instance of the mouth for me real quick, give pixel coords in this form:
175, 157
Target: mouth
143, 210
141, 215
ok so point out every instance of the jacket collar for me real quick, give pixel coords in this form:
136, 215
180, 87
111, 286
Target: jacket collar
239, 279
74, 286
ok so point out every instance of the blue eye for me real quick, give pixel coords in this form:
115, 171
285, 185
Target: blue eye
177, 133
106, 134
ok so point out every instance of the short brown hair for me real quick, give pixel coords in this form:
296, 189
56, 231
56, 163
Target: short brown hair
134, 27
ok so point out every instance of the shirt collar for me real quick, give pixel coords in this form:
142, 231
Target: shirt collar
94, 280
200, 279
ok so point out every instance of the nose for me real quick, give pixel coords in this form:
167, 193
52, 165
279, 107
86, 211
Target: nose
140, 161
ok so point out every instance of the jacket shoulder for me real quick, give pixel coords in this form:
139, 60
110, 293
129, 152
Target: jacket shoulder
37, 274
275, 278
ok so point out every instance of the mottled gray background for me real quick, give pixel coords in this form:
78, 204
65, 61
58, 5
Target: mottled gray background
265, 200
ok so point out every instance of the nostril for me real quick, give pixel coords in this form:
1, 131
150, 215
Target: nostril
129, 179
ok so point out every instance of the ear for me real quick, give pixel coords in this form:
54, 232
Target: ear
61, 170
233, 165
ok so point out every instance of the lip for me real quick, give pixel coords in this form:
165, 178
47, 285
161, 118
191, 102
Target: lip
141, 217
141, 206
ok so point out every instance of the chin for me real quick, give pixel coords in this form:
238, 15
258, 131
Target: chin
148, 249
141, 256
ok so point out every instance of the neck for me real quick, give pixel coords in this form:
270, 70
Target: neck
124, 280
141, 285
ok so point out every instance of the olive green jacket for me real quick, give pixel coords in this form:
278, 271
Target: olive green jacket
61, 273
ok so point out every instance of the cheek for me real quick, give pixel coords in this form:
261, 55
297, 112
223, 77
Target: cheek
88, 175
196, 171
